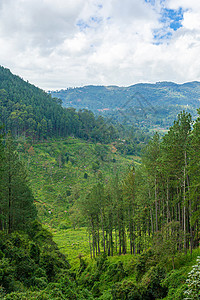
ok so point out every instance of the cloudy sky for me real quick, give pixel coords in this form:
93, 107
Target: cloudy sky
57, 44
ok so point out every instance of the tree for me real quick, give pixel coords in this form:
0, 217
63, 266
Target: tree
151, 162
175, 158
194, 175
17, 199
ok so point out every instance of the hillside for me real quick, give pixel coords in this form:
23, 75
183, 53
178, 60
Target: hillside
28, 111
154, 105
127, 225
64, 170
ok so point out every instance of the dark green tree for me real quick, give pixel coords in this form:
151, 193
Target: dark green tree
17, 203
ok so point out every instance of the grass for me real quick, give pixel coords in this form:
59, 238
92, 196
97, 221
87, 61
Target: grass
64, 170
73, 243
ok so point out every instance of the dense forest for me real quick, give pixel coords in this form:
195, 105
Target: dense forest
30, 112
141, 219
159, 196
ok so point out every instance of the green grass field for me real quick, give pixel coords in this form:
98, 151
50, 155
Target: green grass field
62, 171
73, 243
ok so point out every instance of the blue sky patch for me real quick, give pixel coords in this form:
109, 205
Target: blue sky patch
91, 23
150, 1
173, 17
171, 21
82, 25
161, 36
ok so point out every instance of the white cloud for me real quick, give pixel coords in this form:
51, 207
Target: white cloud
56, 44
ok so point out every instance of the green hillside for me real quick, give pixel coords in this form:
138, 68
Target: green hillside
28, 111
147, 105
126, 226
64, 170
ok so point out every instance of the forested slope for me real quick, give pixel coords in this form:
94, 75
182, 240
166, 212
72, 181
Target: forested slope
31, 266
159, 196
141, 217
29, 111
152, 214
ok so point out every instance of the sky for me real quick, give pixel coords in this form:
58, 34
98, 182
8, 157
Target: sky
72, 43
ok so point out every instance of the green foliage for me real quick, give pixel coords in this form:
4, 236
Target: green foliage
28, 111
150, 211
35, 252
28, 265
116, 272
175, 283
17, 202
57, 190
143, 262
126, 290
151, 282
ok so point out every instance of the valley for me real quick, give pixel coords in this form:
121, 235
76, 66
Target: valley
92, 208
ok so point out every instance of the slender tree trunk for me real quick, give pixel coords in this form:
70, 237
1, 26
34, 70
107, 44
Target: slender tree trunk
190, 214
98, 243
120, 241
131, 236
184, 205
9, 204
90, 246
168, 211
1, 221
123, 240
116, 240
104, 247
139, 243
93, 239
156, 205
152, 227
111, 242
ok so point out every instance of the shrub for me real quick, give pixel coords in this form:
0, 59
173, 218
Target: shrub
152, 283
126, 290
115, 272
143, 262
35, 252
175, 283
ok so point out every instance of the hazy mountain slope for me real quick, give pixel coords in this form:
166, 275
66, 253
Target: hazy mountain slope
158, 102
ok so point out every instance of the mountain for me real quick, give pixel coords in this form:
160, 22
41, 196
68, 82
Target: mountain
28, 111
144, 104
140, 225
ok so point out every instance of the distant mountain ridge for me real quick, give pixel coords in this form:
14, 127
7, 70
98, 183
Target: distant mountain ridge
161, 101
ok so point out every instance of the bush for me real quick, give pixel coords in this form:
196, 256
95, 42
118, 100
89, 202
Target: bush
151, 281
7, 280
115, 272
175, 283
126, 290
143, 262
24, 270
40, 283
35, 252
